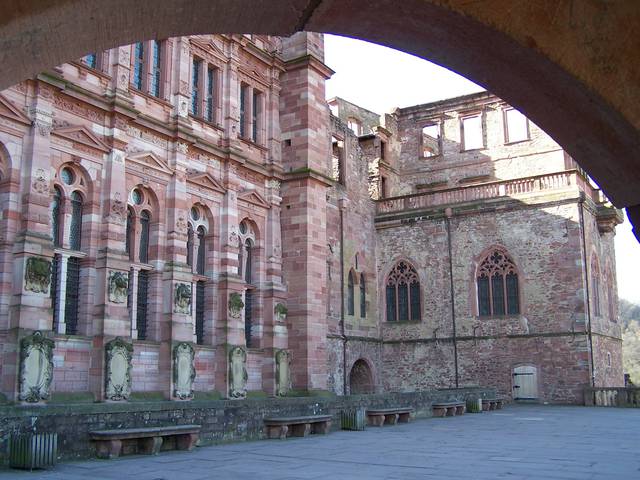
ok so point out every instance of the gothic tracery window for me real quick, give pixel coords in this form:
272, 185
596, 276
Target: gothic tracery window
403, 293
497, 285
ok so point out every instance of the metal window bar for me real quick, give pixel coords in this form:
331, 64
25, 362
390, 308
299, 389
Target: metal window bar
211, 78
142, 306
75, 232
254, 119
33, 450
137, 65
200, 307
55, 290
195, 94
72, 296
248, 304
243, 94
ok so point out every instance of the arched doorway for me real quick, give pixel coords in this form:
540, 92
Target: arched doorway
361, 379
570, 67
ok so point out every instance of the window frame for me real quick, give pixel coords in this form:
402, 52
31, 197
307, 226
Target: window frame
509, 269
402, 277
431, 123
505, 123
466, 116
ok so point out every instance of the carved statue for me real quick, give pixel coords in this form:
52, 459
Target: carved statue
118, 286
238, 372
36, 367
283, 372
235, 305
37, 275
118, 355
184, 372
280, 312
182, 298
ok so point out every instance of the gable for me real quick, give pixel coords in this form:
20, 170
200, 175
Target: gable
206, 180
82, 135
251, 196
151, 160
9, 110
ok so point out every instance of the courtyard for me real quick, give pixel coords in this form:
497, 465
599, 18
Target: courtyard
519, 442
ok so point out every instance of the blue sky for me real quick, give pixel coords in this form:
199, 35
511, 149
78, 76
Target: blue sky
380, 79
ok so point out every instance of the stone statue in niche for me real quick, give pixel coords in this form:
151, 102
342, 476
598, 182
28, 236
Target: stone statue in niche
235, 305
184, 371
37, 275
280, 312
118, 369
118, 286
182, 298
238, 372
283, 372
36, 367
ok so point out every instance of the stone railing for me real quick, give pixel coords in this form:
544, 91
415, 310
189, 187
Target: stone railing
612, 397
504, 188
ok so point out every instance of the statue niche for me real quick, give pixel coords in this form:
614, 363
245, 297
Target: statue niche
37, 275
118, 355
238, 372
283, 372
118, 286
36, 367
182, 298
184, 372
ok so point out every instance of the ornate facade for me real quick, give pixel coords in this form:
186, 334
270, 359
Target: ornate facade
186, 216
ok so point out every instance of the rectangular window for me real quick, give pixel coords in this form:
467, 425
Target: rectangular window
497, 294
243, 107
90, 60
195, 83
211, 78
431, 140
383, 187
71, 301
138, 65
256, 114
472, 133
415, 301
337, 148
516, 126
141, 306
156, 71
55, 290
200, 292
383, 150
391, 303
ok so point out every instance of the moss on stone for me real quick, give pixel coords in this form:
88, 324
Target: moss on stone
72, 397
310, 393
256, 394
146, 397
213, 395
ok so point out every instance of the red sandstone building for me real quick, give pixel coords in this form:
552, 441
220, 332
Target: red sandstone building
186, 216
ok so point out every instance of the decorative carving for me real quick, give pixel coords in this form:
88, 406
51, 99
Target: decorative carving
183, 88
118, 369
182, 298
280, 311
118, 286
181, 223
283, 372
78, 108
233, 235
238, 372
118, 211
277, 250
43, 128
37, 275
184, 372
182, 109
235, 305
36, 367
182, 147
275, 185
40, 182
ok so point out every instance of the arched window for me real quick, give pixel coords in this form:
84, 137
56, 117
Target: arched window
190, 245
497, 285
403, 293
350, 295
56, 211
611, 296
201, 251
363, 300
595, 285
128, 241
75, 231
145, 219
248, 260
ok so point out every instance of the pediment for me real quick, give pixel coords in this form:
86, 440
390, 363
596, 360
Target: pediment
206, 180
81, 135
251, 196
211, 46
9, 110
150, 159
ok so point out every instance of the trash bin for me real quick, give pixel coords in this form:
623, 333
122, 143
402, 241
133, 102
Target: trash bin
33, 450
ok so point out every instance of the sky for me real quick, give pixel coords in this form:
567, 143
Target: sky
381, 79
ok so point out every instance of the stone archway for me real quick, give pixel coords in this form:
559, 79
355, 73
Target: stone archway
361, 378
570, 66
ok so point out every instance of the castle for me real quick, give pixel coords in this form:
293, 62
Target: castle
190, 215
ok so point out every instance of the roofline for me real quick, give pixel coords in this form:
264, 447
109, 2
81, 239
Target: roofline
451, 102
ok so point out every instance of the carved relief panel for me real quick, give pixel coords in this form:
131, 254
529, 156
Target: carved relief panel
184, 371
238, 372
36, 367
118, 369
283, 372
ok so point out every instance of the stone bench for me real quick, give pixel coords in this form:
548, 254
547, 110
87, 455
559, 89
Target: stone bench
448, 409
283, 427
147, 440
492, 404
388, 416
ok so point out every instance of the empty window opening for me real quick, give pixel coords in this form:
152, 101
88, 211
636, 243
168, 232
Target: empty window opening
431, 140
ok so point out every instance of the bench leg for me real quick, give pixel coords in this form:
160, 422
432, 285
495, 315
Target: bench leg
278, 431
451, 411
391, 419
109, 448
151, 445
499, 405
322, 427
187, 441
485, 406
439, 411
404, 417
460, 410
301, 430
375, 420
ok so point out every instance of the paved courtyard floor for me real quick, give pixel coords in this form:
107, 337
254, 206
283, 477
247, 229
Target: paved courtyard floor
519, 442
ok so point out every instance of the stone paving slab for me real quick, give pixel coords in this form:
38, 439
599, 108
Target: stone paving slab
517, 443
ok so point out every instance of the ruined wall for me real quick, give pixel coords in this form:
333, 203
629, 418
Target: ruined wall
346, 110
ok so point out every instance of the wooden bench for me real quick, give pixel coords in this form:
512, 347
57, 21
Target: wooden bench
448, 409
147, 440
283, 427
388, 416
492, 404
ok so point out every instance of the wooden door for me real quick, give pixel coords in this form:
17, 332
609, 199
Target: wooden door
525, 383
